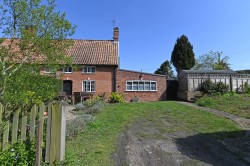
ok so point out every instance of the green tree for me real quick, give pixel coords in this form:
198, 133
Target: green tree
33, 32
183, 57
25, 89
165, 69
212, 61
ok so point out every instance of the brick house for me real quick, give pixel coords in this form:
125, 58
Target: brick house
145, 86
97, 72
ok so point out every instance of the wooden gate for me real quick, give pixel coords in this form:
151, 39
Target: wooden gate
32, 123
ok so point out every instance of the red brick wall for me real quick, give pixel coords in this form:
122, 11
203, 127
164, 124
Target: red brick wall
124, 75
104, 79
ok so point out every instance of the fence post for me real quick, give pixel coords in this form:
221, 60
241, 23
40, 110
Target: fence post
23, 128
48, 135
57, 137
6, 135
1, 115
33, 121
15, 126
39, 133
63, 131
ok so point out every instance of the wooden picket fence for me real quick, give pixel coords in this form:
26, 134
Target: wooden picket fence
32, 124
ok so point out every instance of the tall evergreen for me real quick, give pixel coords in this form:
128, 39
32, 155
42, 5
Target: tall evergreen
183, 57
165, 69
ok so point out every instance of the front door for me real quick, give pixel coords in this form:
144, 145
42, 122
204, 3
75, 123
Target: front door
67, 87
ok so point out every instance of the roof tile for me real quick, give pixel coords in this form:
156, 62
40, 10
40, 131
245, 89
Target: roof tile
94, 52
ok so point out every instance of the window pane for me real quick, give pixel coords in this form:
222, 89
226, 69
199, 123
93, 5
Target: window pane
84, 86
67, 69
92, 86
93, 70
89, 69
141, 85
88, 86
129, 85
147, 86
135, 85
85, 69
153, 85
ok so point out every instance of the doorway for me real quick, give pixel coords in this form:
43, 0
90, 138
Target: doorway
67, 87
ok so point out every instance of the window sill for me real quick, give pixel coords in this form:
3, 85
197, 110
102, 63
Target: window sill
88, 73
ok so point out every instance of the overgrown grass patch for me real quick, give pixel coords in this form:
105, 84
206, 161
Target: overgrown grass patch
237, 105
96, 144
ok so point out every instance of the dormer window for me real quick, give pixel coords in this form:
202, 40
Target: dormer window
89, 69
68, 69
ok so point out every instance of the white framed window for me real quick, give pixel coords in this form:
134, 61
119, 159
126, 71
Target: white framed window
49, 70
88, 86
137, 85
89, 69
68, 69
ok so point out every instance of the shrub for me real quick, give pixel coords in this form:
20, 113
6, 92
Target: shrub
77, 125
116, 98
79, 107
96, 108
221, 88
246, 88
92, 101
134, 99
102, 96
218, 88
207, 87
19, 153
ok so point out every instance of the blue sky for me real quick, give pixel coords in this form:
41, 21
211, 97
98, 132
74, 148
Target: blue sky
149, 28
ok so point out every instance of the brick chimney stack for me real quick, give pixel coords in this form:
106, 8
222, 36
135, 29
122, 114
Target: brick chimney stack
116, 34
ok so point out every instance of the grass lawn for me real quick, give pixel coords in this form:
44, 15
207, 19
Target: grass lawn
237, 105
97, 143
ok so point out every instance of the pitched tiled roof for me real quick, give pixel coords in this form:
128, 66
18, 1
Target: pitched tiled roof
94, 52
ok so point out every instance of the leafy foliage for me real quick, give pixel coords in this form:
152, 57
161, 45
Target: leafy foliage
33, 32
19, 154
25, 89
116, 98
246, 88
212, 61
165, 69
183, 57
221, 88
209, 87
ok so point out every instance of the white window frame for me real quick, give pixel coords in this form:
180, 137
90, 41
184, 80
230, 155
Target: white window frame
91, 85
89, 70
49, 70
137, 83
66, 69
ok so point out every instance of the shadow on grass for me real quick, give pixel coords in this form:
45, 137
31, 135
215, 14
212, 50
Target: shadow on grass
220, 148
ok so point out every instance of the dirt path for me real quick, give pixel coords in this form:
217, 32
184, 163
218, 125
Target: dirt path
144, 144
